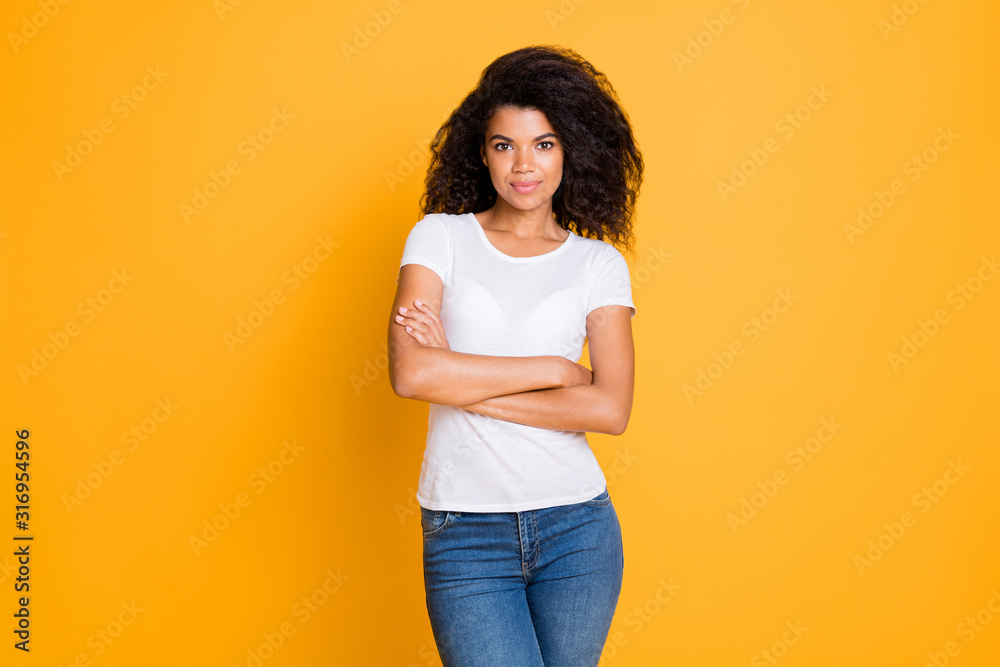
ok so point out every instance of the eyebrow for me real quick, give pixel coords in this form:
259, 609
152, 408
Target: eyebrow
538, 138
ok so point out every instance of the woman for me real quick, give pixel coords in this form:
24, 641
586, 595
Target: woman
500, 283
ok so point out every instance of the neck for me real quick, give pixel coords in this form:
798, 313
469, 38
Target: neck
537, 222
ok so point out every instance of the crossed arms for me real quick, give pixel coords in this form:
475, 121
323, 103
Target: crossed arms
548, 391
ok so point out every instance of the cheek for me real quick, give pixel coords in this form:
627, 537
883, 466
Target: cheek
496, 168
556, 165
556, 174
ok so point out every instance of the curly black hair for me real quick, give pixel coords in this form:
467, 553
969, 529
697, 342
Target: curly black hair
602, 165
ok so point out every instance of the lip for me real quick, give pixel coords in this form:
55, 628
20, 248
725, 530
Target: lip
524, 187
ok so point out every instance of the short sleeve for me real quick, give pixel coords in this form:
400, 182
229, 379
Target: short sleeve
612, 284
429, 244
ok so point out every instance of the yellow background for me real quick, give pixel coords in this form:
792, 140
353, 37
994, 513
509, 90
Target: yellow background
349, 168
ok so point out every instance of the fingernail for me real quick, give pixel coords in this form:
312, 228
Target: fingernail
402, 309
417, 302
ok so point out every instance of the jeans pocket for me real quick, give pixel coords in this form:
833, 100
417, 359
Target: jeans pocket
434, 522
601, 499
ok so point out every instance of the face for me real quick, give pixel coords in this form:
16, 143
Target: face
524, 156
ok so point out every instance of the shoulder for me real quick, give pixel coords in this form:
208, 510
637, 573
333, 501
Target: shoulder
598, 252
443, 222
446, 218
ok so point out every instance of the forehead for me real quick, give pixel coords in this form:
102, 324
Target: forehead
513, 121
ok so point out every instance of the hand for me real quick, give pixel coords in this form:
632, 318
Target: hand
423, 324
577, 374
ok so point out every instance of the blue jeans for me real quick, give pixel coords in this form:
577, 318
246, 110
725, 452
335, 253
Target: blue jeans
523, 589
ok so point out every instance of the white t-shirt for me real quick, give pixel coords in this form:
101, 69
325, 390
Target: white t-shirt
500, 305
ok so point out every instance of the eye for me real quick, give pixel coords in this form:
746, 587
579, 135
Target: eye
550, 144
502, 143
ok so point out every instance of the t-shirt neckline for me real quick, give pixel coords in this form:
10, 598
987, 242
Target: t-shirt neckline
499, 253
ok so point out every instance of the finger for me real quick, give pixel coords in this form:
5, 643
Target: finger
411, 327
427, 324
415, 315
410, 320
417, 335
426, 309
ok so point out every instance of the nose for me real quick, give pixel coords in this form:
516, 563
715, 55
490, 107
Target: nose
524, 160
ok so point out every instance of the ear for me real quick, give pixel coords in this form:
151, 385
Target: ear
482, 154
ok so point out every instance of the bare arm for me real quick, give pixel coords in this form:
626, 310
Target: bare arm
601, 407
440, 375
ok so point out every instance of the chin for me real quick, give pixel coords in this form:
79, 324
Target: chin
524, 204
529, 207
